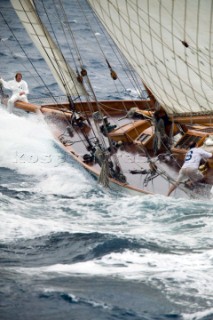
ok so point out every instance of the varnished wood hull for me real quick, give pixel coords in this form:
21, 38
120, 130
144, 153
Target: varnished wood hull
137, 168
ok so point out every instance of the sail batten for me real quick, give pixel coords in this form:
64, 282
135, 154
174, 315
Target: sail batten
169, 44
62, 72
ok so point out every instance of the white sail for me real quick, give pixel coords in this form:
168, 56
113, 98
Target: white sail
169, 44
62, 72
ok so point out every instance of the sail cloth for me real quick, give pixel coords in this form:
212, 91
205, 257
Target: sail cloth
62, 72
169, 44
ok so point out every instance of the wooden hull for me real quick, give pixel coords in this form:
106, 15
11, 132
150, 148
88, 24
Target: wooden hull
138, 170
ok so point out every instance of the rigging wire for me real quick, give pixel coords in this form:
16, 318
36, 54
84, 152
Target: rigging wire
60, 70
79, 58
114, 156
70, 33
62, 75
142, 147
26, 55
91, 89
117, 53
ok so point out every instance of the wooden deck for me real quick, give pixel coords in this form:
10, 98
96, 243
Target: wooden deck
134, 163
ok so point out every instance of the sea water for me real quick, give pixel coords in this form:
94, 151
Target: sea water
69, 249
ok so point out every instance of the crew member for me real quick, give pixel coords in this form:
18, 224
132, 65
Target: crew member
190, 169
19, 90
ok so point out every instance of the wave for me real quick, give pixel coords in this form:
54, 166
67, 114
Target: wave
67, 248
63, 255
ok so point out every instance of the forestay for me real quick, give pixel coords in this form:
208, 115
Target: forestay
62, 72
169, 44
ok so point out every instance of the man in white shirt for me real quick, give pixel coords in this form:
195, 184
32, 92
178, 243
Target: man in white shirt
19, 89
190, 168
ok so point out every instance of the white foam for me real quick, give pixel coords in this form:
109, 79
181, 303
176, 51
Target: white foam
199, 315
28, 147
15, 226
24, 140
179, 274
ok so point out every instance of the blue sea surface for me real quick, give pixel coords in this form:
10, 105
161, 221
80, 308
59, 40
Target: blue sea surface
69, 249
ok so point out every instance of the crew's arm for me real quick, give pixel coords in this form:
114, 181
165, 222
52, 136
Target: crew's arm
5, 84
206, 155
10, 85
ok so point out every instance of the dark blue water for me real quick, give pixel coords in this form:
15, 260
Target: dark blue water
68, 248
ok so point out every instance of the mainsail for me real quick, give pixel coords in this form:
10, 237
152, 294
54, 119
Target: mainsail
62, 72
169, 44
